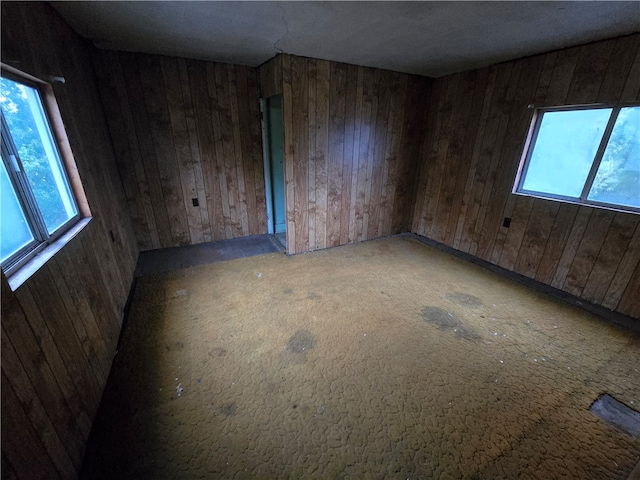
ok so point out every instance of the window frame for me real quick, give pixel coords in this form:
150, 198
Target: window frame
22, 264
529, 146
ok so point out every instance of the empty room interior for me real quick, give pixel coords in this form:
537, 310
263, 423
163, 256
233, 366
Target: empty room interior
325, 240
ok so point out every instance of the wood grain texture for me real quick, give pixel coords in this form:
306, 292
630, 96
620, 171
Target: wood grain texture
352, 142
60, 328
476, 131
185, 130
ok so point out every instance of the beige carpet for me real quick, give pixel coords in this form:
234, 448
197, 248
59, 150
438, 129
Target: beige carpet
386, 359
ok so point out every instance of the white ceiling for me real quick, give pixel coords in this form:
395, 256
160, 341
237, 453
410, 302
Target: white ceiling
427, 38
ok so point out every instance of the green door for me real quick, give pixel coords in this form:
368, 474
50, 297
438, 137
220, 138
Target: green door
275, 141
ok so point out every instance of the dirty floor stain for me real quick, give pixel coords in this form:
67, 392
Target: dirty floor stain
361, 370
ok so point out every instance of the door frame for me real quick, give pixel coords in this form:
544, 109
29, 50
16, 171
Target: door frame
266, 155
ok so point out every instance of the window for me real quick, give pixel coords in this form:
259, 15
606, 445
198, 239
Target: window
587, 155
37, 203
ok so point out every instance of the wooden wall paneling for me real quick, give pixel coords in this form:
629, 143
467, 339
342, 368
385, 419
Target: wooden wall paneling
416, 110
590, 72
94, 289
228, 158
571, 246
90, 345
289, 151
55, 357
532, 89
536, 235
301, 163
270, 74
77, 292
383, 94
126, 152
251, 156
395, 134
255, 138
428, 156
221, 136
487, 161
147, 230
556, 93
610, 256
631, 90
312, 74
556, 241
469, 205
373, 92
481, 161
439, 150
323, 72
389, 84
624, 272
194, 149
154, 89
630, 301
20, 442
211, 172
41, 361
563, 72
494, 195
182, 146
135, 95
335, 168
36, 413
624, 51
8, 472
588, 251
355, 170
476, 82
48, 301
240, 161
363, 116
177, 107
350, 94
461, 110
503, 244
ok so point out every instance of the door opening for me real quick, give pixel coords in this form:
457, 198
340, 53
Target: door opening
273, 149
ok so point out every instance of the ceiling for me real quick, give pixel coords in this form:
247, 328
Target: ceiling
427, 38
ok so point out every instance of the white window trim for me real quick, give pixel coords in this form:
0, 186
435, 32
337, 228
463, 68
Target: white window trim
534, 128
39, 255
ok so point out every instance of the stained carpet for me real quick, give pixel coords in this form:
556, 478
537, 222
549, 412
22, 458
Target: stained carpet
386, 359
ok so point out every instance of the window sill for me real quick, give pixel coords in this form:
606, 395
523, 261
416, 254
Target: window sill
570, 201
32, 266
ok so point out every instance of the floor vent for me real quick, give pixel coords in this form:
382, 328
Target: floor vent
617, 414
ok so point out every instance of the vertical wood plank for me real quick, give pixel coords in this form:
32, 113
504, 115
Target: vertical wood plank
301, 162
322, 150
335, 168
312, 73
182, 145
289, 151
20, 443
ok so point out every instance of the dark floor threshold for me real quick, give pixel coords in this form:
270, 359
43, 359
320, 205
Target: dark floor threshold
617, 414
599, 310
175, 258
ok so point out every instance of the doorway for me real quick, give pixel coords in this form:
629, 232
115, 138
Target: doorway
273, 146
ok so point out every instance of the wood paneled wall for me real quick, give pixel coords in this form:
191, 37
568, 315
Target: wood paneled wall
60, 328
184, 130
351, 141
478, 123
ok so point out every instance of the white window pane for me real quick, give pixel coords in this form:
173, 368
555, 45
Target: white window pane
618, 177
31, 135
564, 150
14, 229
